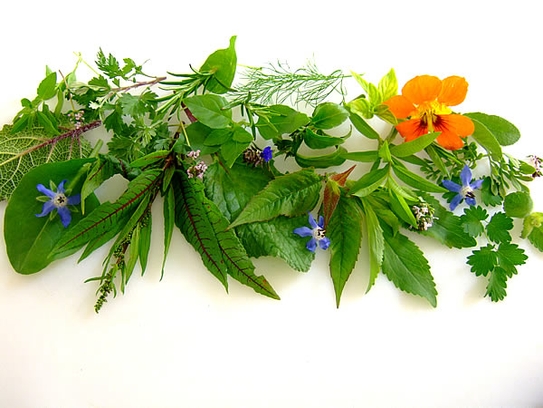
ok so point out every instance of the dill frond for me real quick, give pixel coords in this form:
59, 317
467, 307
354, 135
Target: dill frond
276, 83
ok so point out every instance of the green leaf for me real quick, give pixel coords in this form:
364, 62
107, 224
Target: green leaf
503, 131
510, 256
105, 221
388, 85
169, 223
328, 115
21, 152
536, 237
405, 265
323, 161
276, 238
145, 228
487, 196
497, 283
208, 109
414, 146
30, 240
357, 119
280, 120
235, 257
498, 228
48, 87
518, 204
370, 181
416, 181
345, 233
291, 194
222, 63
320, 141
447, 227
486, 139
364, 157
192, 220
471, 220
376, 242
483, 260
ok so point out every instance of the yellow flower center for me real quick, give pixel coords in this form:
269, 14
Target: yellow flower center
429, 112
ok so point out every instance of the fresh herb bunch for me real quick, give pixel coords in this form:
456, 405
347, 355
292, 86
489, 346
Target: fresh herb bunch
209, 149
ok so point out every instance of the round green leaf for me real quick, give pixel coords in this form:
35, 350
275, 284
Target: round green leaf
518, 204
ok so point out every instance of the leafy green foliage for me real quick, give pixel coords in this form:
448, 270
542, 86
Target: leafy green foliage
345, 234
222, 65
472, 220
30, 240
405, 265
25, 150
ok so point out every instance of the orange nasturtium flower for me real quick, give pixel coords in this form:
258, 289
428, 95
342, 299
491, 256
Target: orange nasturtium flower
424, 103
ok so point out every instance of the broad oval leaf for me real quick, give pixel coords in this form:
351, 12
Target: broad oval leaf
504, 131
208, 109
486, 139
30, 240
222, 63
328, 115
291, 194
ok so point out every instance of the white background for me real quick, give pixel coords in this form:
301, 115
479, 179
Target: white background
184, 342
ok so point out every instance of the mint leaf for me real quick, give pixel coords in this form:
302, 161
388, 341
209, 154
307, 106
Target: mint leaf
471, 220
290, 195
497, 283
405, 265
498, 228
483, 260
345, 233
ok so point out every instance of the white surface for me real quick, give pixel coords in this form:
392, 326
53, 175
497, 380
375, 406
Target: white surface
183, 342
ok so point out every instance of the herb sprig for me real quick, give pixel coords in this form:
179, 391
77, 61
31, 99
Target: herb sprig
210, 150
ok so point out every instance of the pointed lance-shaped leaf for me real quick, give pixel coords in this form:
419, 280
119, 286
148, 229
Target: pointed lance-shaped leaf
292, 194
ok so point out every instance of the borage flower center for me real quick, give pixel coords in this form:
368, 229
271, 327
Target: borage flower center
319, 233
429, 113
467, 191
60, 200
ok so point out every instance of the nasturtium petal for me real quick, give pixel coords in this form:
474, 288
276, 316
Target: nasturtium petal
400, 106
422, 88
453, 90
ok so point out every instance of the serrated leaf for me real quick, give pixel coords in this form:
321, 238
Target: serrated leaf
276, 238
536, 237
238, 264
483, 260
510, 256
21, 152
471, 220
497, 283
345, 233
376, 242
498, 228
29, 239
169, 223
447, 227
291, 194
108, 219
192, 220
405, 265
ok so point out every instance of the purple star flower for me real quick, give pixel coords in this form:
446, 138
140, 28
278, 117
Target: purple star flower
316, 232
465, 191
58, 201
266, 154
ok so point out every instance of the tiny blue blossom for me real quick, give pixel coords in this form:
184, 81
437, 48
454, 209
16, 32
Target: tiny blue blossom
58, 201
267, 154
316, 232
465, 191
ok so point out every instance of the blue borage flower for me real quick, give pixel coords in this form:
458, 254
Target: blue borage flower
58, 201
266, 154
316, 232
465, 191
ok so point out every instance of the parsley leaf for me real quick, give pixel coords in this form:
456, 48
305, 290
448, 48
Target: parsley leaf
498, 228
471, 220
483, 260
